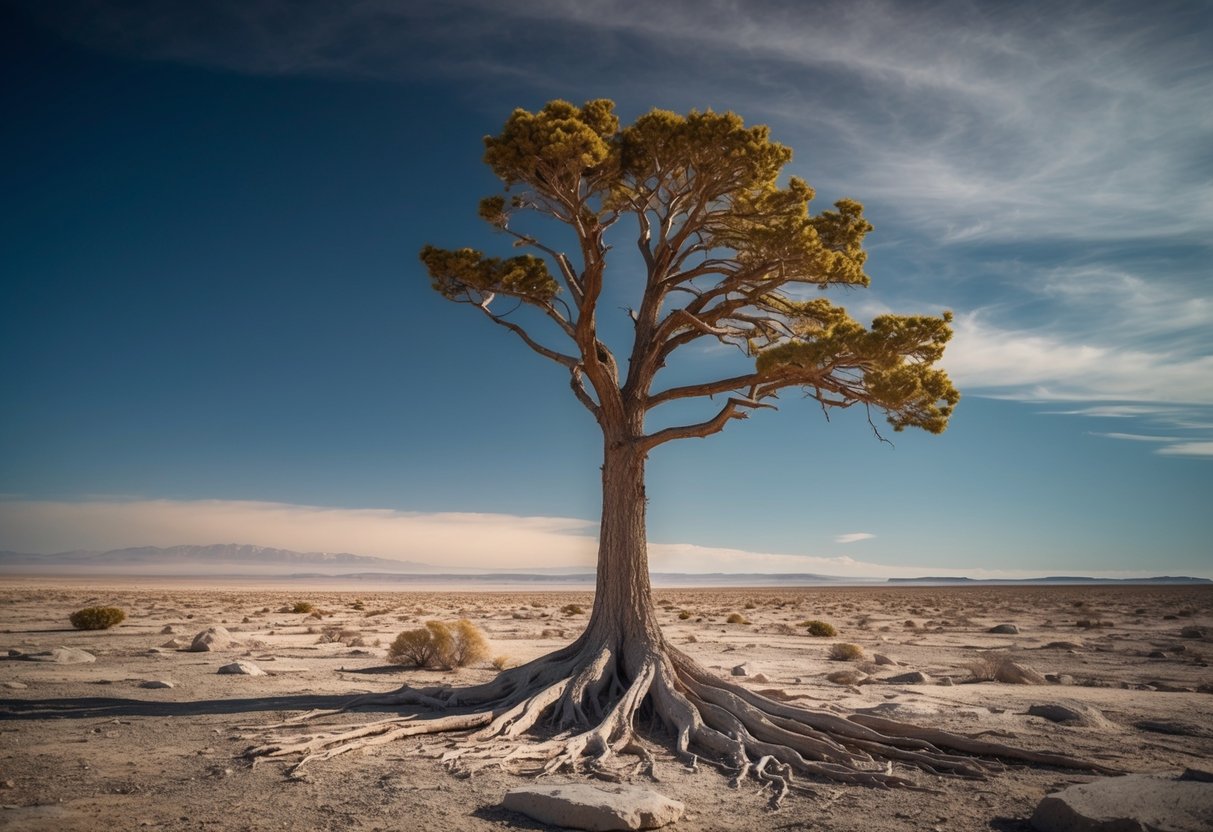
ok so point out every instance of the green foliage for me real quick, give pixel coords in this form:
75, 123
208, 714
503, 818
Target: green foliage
725, 245
440, 645
97, 618
844, 652
821, 629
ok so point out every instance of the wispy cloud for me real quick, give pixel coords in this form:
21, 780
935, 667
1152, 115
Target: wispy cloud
853, 537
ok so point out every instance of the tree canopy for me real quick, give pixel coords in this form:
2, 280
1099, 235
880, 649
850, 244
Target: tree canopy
730, 254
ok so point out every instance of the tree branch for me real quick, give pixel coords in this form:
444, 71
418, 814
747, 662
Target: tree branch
559, 357
701, 429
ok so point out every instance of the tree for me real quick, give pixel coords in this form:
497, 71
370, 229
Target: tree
728, 254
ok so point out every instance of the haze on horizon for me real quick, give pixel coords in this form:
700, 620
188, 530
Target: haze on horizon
218, 330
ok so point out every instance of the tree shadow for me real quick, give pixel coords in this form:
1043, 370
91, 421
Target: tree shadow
103, 707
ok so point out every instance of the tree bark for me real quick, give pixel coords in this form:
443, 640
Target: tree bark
623, 614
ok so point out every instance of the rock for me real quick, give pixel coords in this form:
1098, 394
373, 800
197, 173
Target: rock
174, 644
242, 669
63, 655
914, 677
1156, 654
167, 630
1132, 803
1059, 678
1168, 726
16, 685
760, 677
15, 653
157, 683
1062, 645
1194, 632
582, 806
946, 681
213, 638
746, 669
1013, 673
1071, 713
1004, 629
881, 658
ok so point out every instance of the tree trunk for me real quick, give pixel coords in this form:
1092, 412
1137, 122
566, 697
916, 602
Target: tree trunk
623, 614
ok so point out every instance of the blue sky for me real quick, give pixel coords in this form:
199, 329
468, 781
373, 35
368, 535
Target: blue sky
215, 327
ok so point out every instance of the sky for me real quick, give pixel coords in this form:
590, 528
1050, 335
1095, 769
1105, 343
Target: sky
215, 327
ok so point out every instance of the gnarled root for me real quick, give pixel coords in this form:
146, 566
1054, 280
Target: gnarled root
594, 699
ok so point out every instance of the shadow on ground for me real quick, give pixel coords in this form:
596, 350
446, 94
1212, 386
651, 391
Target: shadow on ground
100, 707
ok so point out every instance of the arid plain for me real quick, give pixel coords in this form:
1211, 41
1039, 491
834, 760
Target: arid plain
87, 746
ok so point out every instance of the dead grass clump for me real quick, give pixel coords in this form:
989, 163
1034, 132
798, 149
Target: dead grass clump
736, 618
502, 662
300, 608
440, 645
573, 609
821, 629
97, 618
846, 652
683, 615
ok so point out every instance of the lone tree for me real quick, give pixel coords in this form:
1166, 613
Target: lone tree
727, 255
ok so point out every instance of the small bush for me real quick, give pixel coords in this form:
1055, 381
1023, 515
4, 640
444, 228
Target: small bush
97, 618
736, 618
573, 609
821, 629
302, 607
502, 662
683, 615
845, 652
439, 645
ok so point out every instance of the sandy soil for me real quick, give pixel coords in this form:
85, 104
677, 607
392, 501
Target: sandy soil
84, 746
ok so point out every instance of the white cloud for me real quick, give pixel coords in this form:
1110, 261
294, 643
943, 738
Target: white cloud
1047, 367
1197, 449
853, 537
1135, 437
451, 540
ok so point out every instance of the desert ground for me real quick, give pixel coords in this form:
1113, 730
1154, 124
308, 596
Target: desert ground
86, 746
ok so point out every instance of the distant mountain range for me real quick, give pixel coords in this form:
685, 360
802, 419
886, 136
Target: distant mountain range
179, 559
241, 560
1058, 579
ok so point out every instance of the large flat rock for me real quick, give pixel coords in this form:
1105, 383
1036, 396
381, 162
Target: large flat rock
582, 806
1133, 803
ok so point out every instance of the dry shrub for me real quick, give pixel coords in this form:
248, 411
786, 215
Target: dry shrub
736, 618
846, 652
821, 629
998, 667
573, 609
97, 618
683, 615
440, 645
985, 667
502, 662
846, 677
335, 633
300, 607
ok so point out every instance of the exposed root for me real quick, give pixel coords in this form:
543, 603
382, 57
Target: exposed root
593, 700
